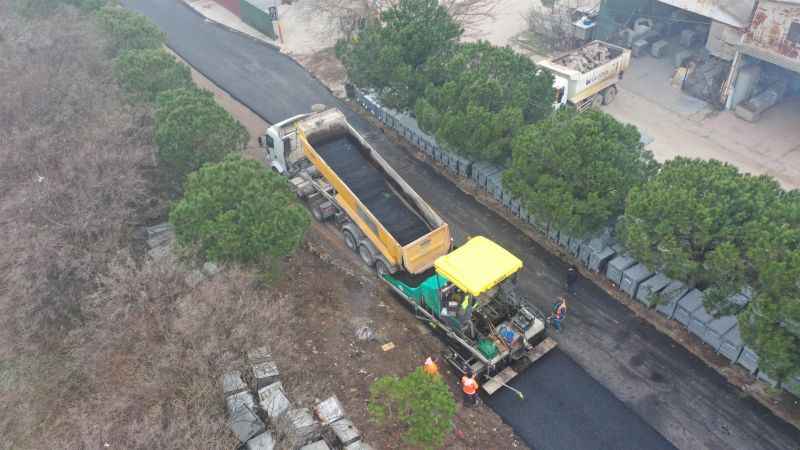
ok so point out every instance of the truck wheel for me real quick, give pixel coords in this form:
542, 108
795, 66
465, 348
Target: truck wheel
366, 255
350, 240
609, 95
381, 268
597, 100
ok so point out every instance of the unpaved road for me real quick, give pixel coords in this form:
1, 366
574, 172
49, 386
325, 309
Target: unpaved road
645, 380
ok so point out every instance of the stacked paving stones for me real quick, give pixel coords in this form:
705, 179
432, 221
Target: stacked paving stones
257, 421
599, 253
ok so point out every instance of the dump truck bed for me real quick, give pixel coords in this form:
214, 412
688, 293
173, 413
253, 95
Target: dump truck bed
589, 69
369, 184
401, 226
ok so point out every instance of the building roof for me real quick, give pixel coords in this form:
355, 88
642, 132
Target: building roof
735, 13
478, 266
774, 35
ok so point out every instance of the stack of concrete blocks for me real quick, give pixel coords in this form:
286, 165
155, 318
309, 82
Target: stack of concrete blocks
240, 405
265, 371
331, 414
731, 344
650, 289
669, 298
273, 400
748, 359
690, 303
617, 266
633, 277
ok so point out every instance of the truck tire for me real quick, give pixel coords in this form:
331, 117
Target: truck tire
597, 100
609, 95
350, 240
366, 254
381, 268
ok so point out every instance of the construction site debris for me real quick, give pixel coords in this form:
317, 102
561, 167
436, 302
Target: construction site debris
265, 373
359, 445
319, 445
304, 427
258, 355
238, 400
388, 346
586, 58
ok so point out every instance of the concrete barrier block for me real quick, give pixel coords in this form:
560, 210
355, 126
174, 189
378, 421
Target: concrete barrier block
245, 424
690, 303
716, 330
359, 445
319, 445
239, 400
264, 441
748, 359
265, 373
273, 400
345, 431
599, 259
617, 266
670, 297
304, 427
259, 354
633, 277
232, 383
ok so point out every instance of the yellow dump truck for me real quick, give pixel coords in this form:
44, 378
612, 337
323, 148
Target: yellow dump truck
342, 178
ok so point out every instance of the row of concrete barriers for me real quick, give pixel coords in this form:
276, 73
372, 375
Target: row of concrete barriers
600, 253
256, 423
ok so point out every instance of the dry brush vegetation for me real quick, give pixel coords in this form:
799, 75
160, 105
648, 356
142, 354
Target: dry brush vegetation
97, 343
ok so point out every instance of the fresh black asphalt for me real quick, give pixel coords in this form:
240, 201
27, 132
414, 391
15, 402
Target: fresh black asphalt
649, 385
564, 408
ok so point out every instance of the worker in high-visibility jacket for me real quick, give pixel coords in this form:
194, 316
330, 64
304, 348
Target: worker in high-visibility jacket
470, 388
430, 367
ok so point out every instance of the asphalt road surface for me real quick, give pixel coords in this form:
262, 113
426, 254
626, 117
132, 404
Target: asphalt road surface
615, 383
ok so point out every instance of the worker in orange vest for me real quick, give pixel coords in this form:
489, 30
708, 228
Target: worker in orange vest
430, 367
470, 388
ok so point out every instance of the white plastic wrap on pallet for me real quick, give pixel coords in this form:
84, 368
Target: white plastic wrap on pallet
633, 277
669, 298
716, 329
617, 266
649, 288
690, 303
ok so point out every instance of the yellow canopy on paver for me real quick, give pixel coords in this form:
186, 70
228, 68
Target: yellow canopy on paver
477, 266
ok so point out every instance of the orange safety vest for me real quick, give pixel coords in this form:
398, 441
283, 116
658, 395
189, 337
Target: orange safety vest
561, 310
469, 385
430, 367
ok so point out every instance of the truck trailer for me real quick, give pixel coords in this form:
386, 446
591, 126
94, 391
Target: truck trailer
587, 77
341, 177
468, 294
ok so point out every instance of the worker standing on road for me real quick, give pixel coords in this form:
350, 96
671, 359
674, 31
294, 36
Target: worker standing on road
430, 367
572, 277
470, 388
559, 312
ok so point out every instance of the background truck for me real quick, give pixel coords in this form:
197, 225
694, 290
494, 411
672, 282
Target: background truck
587, 76
342, 177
